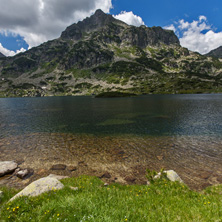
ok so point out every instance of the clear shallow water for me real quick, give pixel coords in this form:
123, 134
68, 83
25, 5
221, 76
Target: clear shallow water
147, 115
120, 135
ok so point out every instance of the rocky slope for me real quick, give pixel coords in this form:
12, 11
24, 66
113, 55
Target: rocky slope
1, 55
102, 54
217, 53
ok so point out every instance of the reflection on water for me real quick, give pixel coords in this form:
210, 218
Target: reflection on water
147, 115
180, 132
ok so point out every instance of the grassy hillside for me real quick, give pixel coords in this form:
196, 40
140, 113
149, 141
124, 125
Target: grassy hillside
102, 54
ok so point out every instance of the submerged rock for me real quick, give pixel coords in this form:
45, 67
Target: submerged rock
7, 167
40, 186
58, 167
105, 175
58, 177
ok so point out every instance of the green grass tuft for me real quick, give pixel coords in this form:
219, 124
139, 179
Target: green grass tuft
161, 201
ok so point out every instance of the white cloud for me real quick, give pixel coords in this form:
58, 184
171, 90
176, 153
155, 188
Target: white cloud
7, 52
41, 20
202, 17
129, 18
198, 35
170, 27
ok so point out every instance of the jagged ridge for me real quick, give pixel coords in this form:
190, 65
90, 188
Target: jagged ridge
101, 54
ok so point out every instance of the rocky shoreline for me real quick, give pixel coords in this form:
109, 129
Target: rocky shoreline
51, 182
13, 175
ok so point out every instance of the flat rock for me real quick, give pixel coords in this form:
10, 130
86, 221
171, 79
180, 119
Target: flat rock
22, 173
40, 186
7, 167
205, 174
58, 167
58, 177
25, 173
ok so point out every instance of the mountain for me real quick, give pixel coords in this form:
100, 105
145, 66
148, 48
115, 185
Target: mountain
102, 54
217, 53
1, 55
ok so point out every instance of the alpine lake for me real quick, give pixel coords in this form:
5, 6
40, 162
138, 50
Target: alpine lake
121, 136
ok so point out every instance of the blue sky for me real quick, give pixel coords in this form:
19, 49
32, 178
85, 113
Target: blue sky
164, 12
28, 23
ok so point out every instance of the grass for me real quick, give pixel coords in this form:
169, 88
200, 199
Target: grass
161, 201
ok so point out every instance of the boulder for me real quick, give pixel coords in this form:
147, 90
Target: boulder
7, 167
171, 175
22, 173
40, 186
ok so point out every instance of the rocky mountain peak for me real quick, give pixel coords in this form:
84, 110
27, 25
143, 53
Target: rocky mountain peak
97, 20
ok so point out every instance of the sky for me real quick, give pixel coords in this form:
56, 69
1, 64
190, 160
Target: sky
28, 23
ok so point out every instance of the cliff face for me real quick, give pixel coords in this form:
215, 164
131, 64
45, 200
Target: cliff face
217, 53
101, 54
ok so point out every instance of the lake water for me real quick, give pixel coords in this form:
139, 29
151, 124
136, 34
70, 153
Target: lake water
181, 132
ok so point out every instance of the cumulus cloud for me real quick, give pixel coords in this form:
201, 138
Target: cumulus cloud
41, 20
129, 18
198, 35
7, 52
170, 27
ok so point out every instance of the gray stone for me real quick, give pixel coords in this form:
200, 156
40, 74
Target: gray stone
58, 177
40, 186
1, 194
22, 173
171, 175
7, 167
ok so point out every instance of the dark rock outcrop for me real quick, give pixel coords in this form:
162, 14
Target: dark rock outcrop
1, 55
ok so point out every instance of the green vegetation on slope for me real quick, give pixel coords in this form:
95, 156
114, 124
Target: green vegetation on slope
161, 201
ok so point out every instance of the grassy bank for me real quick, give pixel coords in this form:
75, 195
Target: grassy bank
161, 201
